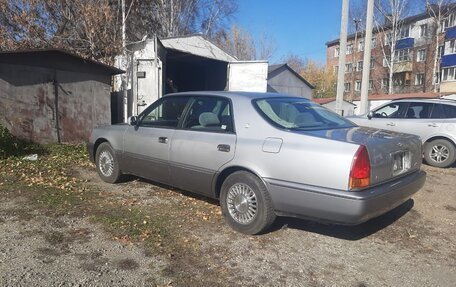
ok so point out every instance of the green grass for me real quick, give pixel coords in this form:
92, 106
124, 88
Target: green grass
135, 225
13, 146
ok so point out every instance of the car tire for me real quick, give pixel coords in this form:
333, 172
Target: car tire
246, 203
439, 153
107, 163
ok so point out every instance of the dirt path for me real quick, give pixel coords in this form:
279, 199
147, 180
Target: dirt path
414, 245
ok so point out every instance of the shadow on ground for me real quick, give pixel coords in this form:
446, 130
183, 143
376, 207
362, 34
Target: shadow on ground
353, 233
345, 232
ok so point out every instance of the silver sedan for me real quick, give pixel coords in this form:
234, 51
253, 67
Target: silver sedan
263, 155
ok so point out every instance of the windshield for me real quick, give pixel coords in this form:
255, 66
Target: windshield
299, 114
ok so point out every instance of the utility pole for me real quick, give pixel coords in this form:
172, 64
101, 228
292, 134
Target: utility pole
342, 54
125, 65
367, 58
354, 65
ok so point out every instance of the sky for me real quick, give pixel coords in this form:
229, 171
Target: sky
300, 27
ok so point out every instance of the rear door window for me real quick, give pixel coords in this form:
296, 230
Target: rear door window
437, 112
209, 114
418, 111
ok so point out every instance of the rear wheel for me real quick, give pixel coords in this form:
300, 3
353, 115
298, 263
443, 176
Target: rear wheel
246, 203
107, 164
439, 153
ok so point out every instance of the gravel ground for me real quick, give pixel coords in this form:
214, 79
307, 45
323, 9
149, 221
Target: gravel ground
414, 245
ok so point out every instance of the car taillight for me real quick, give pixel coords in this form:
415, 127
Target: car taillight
360, 170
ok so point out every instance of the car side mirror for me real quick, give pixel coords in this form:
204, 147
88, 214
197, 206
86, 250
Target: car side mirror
133, 120
370, 115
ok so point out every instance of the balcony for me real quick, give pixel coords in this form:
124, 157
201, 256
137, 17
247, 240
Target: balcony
450, 33
404, 66
406, 43
448, 61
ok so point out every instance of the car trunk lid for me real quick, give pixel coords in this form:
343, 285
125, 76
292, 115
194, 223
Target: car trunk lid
391, 154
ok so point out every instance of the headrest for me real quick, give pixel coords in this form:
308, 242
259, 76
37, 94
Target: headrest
207, 119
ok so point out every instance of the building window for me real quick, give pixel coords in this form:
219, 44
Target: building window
349, 49
402, 55
450, 21
347, 87
419, 79
372, 63
336, 69
348, 68
421, 55
358, 86
451, 47
388, 38
441, 51
448, 74
385, 83
371, 85
359, 66
374, 43
361, 46
402, 79
405, 32
423, 30
386, 61
336, 52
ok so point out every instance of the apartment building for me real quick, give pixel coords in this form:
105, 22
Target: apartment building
413, 61
448, 59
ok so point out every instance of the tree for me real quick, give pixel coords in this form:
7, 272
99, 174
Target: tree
238, 43
321, 77
86, 28
439, 11
215, 16
92, 28
265, 46
393, 12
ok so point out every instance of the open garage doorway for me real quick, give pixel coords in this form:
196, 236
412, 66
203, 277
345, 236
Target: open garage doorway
186, 72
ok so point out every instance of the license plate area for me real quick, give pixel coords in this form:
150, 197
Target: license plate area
401, 162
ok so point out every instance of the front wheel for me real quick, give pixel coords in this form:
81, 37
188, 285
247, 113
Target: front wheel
107, 164
246, 203
439, 153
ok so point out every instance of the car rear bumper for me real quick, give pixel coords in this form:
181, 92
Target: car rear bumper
342, 207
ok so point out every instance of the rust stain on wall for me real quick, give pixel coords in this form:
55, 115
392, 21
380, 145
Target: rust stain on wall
28, 110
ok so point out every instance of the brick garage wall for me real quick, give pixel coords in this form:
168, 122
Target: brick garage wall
28, 109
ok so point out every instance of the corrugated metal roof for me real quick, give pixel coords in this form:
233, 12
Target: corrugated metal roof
199, 46
272, 68
42, 58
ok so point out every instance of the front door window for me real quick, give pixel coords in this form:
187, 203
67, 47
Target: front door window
164, 114
392, 111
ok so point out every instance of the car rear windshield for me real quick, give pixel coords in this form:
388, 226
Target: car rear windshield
299, 114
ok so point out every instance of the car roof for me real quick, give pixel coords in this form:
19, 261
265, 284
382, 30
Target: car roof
235, 95
421, 100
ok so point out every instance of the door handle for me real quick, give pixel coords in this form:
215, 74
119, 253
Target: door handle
223, 147
163, 140
433, 125
391, 124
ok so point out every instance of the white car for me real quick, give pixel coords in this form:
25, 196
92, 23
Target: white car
434, 120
